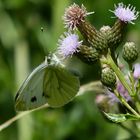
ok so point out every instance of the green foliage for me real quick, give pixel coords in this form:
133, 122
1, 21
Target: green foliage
23, 46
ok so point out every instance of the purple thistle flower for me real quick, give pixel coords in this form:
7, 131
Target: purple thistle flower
136, 73
126, 13
75, 14
123, 92
68, 44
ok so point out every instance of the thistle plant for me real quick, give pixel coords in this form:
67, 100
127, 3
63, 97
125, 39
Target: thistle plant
122, 86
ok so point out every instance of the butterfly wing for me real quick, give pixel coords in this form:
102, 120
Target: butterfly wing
60, 86
30, 95
51, 84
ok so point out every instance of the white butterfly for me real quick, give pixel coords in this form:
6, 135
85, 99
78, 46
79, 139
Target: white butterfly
49, 83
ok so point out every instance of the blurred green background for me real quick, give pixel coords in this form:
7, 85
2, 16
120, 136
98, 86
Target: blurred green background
23, 46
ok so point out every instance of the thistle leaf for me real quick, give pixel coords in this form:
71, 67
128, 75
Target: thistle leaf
118, 118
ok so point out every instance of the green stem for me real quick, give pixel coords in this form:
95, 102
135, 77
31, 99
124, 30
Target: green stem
132, 80
119, 74
19, 116
123, 101
137, 104
135, 94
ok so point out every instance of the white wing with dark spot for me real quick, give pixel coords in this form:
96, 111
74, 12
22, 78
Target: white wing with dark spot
48, 83
30, 95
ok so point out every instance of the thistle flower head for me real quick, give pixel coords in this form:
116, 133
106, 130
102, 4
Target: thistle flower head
68, 44
74, 14
126, 13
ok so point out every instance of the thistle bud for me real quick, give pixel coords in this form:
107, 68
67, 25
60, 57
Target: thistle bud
87, 54
105, 30
130, 52
108, 78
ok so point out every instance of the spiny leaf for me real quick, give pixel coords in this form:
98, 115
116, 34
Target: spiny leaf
117, 118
